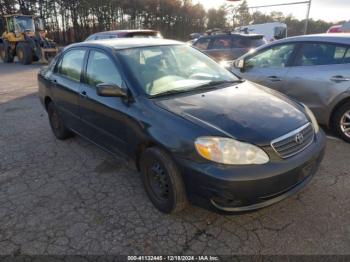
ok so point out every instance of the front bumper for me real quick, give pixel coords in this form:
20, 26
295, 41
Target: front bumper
245, 188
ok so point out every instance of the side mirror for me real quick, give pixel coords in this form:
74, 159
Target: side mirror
239, 64
110, 90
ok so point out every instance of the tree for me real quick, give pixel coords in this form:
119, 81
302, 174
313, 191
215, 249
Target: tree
216, 18
242, 15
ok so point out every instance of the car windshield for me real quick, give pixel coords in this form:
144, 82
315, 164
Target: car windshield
173, 69
25, 23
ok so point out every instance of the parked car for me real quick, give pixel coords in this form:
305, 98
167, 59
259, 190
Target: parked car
194, 129
138, 33
335, 29
271, 31
313, 69
228, 47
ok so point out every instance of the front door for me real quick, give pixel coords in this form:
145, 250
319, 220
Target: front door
103, 117
269, 67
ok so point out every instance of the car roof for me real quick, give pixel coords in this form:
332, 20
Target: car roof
340, 38
254, 36
126, 43
116, 32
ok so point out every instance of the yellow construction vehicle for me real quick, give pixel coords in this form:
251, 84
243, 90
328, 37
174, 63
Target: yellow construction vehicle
24, 36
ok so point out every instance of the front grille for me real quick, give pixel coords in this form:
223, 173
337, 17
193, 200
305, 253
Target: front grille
294, 142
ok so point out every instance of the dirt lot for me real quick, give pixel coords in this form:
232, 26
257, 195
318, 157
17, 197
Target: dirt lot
72, 198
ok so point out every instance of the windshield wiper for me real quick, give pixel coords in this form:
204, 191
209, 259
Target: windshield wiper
170, 92
211, 84
216, 83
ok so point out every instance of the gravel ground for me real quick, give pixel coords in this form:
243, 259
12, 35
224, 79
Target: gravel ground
72, 198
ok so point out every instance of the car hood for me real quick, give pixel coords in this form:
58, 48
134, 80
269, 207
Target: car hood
246, 111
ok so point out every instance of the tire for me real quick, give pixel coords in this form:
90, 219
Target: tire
341, 122
160, 171
5, 53
57, 126
24, 53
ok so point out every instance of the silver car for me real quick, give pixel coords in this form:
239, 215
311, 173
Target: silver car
313, 69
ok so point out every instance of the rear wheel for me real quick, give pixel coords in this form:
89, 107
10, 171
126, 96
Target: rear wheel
162, 180
341, 122
57, 126
5, 53
24, 53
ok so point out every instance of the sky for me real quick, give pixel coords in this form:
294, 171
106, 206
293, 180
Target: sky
328, 10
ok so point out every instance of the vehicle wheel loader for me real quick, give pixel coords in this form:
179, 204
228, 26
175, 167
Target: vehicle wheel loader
24, 36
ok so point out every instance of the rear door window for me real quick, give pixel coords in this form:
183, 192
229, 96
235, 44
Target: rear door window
313, 54
71, 64
224, 42
202, 43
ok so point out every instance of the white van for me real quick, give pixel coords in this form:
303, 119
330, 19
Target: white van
271, 31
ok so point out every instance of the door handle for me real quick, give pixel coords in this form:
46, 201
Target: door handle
274, 78
339, 79
83, 94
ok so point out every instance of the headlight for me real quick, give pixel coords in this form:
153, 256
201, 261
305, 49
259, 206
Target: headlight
230, 151
313, 119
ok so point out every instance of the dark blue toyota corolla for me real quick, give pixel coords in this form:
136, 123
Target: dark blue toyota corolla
196, 132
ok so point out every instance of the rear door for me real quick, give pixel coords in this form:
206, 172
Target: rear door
103, 117
269, 66
66, 85
321, 73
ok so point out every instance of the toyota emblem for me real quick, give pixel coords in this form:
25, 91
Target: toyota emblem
299, 138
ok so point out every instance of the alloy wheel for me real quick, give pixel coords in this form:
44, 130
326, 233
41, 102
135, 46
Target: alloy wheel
345, 123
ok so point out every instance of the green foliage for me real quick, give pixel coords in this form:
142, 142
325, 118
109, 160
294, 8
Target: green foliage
216, 18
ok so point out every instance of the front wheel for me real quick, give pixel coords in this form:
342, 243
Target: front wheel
341, 122
162, 180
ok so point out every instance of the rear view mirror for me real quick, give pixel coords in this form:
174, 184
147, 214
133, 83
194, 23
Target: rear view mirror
110, 90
